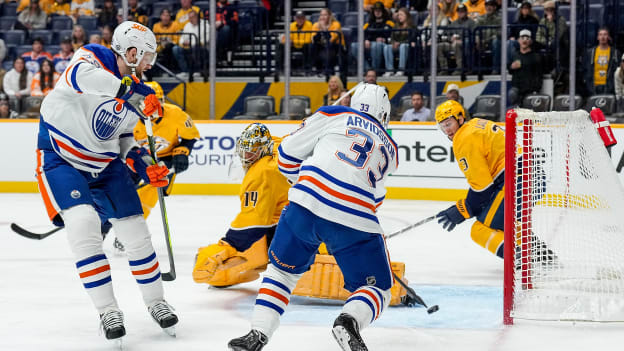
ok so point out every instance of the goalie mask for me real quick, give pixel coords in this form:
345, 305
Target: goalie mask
254, 143
372, 99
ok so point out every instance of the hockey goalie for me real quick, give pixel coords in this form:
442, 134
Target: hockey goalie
242, 254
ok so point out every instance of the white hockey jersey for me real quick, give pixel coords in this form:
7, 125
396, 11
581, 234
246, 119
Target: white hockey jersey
86, 125
339, 159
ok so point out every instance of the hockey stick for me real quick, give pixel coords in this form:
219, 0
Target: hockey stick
348, 93
414, 296
32, 235
411, 226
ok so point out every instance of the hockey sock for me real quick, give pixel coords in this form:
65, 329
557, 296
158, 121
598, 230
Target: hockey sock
134, 235
366, 304
85, 240
149, 198
489, 238
273, 297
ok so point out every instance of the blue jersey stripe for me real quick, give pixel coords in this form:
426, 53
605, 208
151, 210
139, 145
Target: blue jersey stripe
339, 182
378, 293
276, 283
282, 170
335, 205
270, 305
97, 283
287, 157
75, 143
73, 77
149, 280
126, 135
365, 300
143, 261
91, 259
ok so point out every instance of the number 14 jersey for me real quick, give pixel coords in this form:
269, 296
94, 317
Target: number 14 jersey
339, 159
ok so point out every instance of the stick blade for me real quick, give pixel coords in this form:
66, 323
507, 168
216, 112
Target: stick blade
30, 235
169, 276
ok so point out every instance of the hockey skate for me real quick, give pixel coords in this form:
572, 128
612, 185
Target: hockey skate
163, 314
111, 322
541, 255
347, 334
253, 341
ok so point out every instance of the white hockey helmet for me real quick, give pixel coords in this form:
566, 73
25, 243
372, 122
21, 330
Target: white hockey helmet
134, 35
372, 99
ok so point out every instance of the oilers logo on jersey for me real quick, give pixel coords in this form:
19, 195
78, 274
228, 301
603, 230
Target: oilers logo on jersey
107, 117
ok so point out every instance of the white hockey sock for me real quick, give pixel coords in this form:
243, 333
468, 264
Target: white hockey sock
82, 224
366, 304
273, 297
134, 235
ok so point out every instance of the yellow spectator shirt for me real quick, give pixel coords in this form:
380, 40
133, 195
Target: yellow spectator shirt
172, 28
601, 64
299, 39
475, 10
182, 16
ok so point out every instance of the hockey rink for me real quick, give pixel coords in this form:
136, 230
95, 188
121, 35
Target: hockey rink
43, 305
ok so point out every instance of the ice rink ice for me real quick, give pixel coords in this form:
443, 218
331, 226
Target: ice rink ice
43, 305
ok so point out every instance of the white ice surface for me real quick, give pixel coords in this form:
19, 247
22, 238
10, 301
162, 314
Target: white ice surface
44, 307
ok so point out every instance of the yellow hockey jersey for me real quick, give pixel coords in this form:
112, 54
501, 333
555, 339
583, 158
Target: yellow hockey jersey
479, 148
173, 125
263, 194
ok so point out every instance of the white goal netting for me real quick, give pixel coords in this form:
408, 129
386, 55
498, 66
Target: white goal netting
569, 221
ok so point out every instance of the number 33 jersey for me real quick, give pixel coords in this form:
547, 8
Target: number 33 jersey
339, 159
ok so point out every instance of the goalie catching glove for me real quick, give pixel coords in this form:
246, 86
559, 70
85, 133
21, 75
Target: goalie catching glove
140, 161
453, 215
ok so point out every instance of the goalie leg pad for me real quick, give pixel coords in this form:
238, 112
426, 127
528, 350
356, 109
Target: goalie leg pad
222, 265
488, 238
324, 280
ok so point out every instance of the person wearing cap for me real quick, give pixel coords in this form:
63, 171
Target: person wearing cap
452, 92
475, 8
618, 80
600, 64
526, 18
300, 41
62, 58
490, 38
376, 34
526, 68
551, 24
5, 108
455, 40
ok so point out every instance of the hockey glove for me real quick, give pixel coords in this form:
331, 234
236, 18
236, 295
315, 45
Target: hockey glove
180, 159
133, 91
151, 107
453, 215
140, 161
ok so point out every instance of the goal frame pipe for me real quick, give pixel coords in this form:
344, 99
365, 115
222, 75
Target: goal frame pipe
510, 206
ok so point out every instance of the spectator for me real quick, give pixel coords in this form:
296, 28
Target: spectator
137, 13
82, 8
35, 57
56, 7
166, 42
600, 64
182, 16
369, 4
95, 38
418, 112
346, 101
475, 8
526, 18
227, 29
107, 14
32, 18
490, 39
5, 109
300, 42
334, 90
3, 50
551, 23
400, 42
62, 58
618, 80
327, 44
370, 76
526, 68
452, 92
107, 36
44, 81
79, 37
455, 41
16, 82
21, 4
376, 34
195, 27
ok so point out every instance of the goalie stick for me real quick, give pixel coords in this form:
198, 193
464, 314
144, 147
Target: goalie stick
32, 235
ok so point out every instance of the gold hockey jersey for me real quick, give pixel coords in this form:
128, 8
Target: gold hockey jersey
174, 124
479, 148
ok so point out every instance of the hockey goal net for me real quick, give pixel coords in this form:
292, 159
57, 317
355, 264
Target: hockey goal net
564, 220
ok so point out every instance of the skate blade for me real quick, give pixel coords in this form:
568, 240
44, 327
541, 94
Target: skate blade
118, 343
170, 331
342, 337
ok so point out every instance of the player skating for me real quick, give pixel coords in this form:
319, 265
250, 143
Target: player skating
338, 160
85, 133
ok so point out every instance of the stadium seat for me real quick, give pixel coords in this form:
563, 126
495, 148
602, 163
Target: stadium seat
349, 19
22, 49
607, 103
61, 22
596, 12
440, 99
15, 37
53, 49
277, 117
44, 34
6, 23
259, 106
338, 6
203, 5
487, 107
562, 102
9, 9
299, 106
87, 22
62, 34
31, 106
537, 102
157, 7
511, 14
